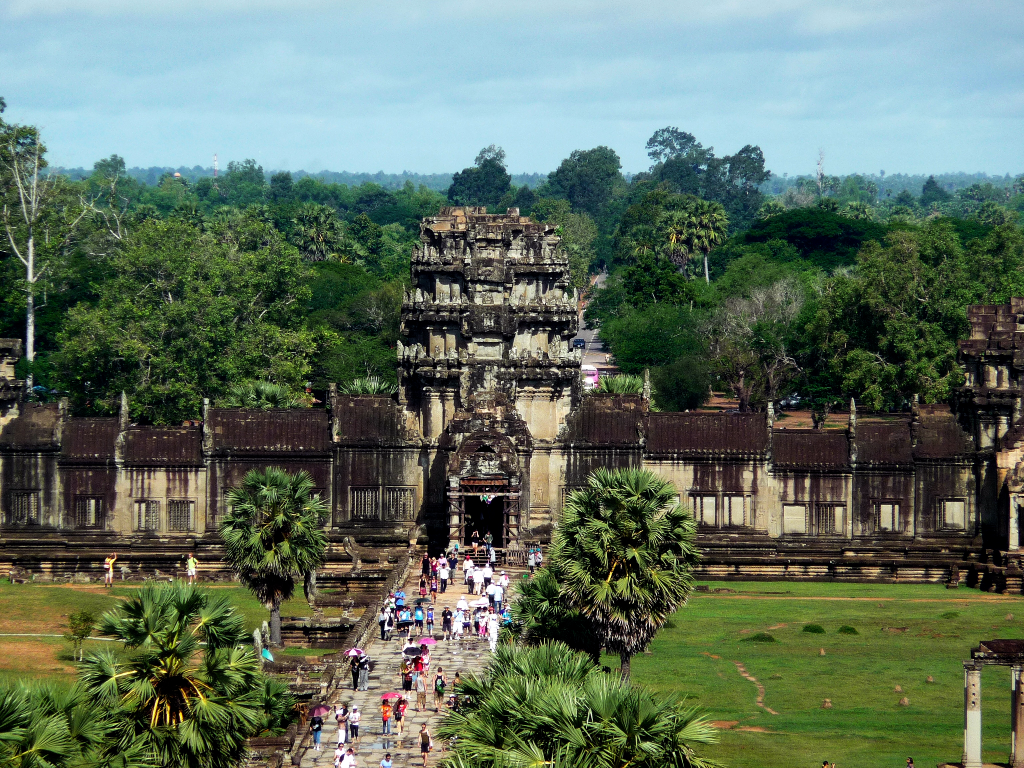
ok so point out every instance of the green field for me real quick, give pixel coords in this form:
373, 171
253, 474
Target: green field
39, 609
906, 633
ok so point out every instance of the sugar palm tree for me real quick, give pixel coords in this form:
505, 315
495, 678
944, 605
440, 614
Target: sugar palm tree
539, 615
706, 227
318, 233
676, 225
273, 534
549, 706
189, 692
44, 726
626, 551
264, 395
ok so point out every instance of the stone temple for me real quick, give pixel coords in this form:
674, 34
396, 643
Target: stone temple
491, 428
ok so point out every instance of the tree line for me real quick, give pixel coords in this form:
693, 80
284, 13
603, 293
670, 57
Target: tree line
193, 286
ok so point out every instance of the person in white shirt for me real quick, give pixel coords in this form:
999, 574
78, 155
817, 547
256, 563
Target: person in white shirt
353, 722
467, 570
349, 760
503, 580
498, 596
490, 593
463, 604
488, 574
478, 580
457, 627
492, 630
443, 573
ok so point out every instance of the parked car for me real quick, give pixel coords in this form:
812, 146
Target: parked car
579, 343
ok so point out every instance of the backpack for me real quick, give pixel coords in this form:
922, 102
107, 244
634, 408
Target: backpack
439, 684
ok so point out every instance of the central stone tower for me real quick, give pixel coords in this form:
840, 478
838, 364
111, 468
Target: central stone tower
490, 315
486, 370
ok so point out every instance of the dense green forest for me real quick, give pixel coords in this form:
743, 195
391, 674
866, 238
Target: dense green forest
185, 286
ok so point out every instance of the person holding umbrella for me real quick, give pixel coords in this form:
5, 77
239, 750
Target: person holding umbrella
353, 663
419, 618
316, 726
386, 711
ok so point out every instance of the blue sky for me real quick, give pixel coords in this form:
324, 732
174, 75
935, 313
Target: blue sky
902, 85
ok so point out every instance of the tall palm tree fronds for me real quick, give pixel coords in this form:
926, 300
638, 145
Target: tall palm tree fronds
625, 551
539, 614
273, 534
44, 726
706, 227
264, 395
319, 234
189, 693
369, 385
549, 706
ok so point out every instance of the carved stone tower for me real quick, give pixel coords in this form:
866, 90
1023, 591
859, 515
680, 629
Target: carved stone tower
490, 313
486, 370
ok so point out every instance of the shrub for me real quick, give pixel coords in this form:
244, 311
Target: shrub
760, 637
814, 629
846, 629
949, 615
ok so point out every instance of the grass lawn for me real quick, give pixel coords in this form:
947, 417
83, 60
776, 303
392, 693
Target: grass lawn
906, 633
41, 609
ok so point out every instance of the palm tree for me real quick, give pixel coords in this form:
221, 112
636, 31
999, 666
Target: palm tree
318, 233
264, 395
189, 693
539, 615
706, 228
369, 385
273, 534
626, 552
676, 226
549, 706
48, 726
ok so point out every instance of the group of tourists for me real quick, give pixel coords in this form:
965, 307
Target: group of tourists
482, 617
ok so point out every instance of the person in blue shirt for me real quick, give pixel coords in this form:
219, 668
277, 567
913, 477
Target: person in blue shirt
386, 762
419, 618
400, 598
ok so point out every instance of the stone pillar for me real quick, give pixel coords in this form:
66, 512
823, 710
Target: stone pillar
972, 715
1014, 543
1016, 719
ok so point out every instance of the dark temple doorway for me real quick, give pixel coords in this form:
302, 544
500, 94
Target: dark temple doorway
484, 517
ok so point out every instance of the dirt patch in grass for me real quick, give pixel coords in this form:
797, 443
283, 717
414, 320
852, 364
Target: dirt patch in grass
35, 657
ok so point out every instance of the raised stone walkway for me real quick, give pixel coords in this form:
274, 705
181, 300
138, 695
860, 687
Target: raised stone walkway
469, 655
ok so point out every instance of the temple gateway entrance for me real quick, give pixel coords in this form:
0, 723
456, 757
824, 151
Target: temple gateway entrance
484, 504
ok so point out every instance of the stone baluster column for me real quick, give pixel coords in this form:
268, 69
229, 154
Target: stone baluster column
1015, 503
972, 715
1017, 719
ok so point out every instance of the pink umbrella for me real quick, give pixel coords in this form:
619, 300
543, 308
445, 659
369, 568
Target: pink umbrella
391, 695
426, 641
354, 652
319, 710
